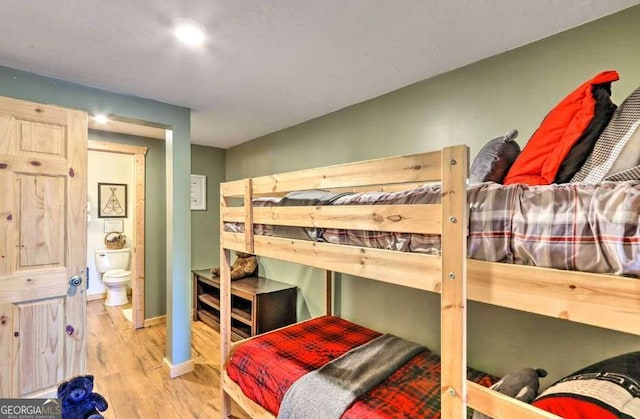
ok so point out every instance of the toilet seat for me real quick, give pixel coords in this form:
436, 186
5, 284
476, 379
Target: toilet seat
116, 275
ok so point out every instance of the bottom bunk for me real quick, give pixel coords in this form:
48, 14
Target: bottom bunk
264, 368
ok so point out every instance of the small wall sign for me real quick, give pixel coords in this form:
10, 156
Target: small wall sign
198, 192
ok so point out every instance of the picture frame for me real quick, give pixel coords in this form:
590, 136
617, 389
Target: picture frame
114, 226
198, 192
112, 200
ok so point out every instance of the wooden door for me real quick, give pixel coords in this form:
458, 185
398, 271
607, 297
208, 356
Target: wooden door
43, 161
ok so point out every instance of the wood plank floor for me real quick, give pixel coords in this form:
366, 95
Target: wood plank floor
128, 369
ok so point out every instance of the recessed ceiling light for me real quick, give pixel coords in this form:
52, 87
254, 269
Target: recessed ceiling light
101, 118
189, 32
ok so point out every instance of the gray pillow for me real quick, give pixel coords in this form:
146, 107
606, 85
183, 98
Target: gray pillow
495, 159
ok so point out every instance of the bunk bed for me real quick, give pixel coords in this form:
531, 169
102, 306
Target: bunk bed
602, 300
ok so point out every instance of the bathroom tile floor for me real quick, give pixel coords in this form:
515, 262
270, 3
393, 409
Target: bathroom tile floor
128, 369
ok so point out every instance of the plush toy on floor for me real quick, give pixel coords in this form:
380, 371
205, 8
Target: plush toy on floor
522, 385
78, 401
244, 265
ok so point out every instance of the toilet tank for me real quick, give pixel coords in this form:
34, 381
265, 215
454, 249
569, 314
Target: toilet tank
110, 259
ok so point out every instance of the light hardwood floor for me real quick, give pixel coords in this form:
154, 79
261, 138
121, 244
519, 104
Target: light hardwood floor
128, 369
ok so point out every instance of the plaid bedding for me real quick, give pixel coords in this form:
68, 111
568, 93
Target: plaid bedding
580, 227
266, 366
413, 391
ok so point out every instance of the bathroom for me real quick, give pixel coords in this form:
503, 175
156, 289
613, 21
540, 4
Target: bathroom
110, 204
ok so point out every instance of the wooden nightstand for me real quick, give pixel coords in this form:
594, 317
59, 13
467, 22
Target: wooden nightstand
257, 304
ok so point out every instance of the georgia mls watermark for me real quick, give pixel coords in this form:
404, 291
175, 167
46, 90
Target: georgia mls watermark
30, 409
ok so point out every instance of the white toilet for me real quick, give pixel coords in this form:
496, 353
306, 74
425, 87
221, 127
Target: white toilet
114, 265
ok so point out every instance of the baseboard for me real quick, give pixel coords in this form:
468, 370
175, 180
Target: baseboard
180, 369
97, 296
154, 321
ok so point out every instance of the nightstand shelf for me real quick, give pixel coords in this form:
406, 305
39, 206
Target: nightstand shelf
257, 304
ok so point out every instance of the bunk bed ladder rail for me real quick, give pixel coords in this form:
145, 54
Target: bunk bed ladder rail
456, 391
245, 187
453, 299
225, 308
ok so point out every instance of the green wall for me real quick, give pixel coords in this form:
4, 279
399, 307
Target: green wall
205, 225
35, 88
155, 291
470, 105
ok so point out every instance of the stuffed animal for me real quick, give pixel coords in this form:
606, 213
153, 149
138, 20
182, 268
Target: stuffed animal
244, 265
78, 401
522, 385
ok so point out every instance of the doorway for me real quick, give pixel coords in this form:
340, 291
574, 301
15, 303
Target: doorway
137, 245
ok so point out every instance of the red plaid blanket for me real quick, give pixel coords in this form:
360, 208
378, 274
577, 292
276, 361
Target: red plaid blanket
266, 366
413, 391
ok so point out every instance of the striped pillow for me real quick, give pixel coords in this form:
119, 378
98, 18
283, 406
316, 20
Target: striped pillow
608, 149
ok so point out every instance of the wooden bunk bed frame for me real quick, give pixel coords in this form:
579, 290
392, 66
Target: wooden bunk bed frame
607, 301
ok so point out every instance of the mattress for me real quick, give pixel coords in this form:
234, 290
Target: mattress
578, 227
266, 366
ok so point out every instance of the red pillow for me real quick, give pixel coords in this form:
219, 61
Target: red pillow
560, 130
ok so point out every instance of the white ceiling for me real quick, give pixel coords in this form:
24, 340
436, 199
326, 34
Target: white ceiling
268, 65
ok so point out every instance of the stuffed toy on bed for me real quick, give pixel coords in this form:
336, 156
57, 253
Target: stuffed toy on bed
245, 265
522, 384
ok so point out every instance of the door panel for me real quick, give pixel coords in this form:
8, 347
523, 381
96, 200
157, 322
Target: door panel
39, 345
37, 138
34, 285
43, 161
42, 210
33, 165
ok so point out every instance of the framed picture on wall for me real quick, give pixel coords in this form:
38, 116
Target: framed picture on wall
111, 226
112, 200
198, 192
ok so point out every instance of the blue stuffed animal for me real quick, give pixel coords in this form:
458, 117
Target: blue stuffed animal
78, 401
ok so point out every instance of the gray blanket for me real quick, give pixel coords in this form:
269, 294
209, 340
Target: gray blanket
328, 391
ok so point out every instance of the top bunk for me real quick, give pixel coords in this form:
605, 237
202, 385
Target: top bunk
604, 300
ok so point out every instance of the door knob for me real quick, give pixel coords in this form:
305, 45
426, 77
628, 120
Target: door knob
74, 282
